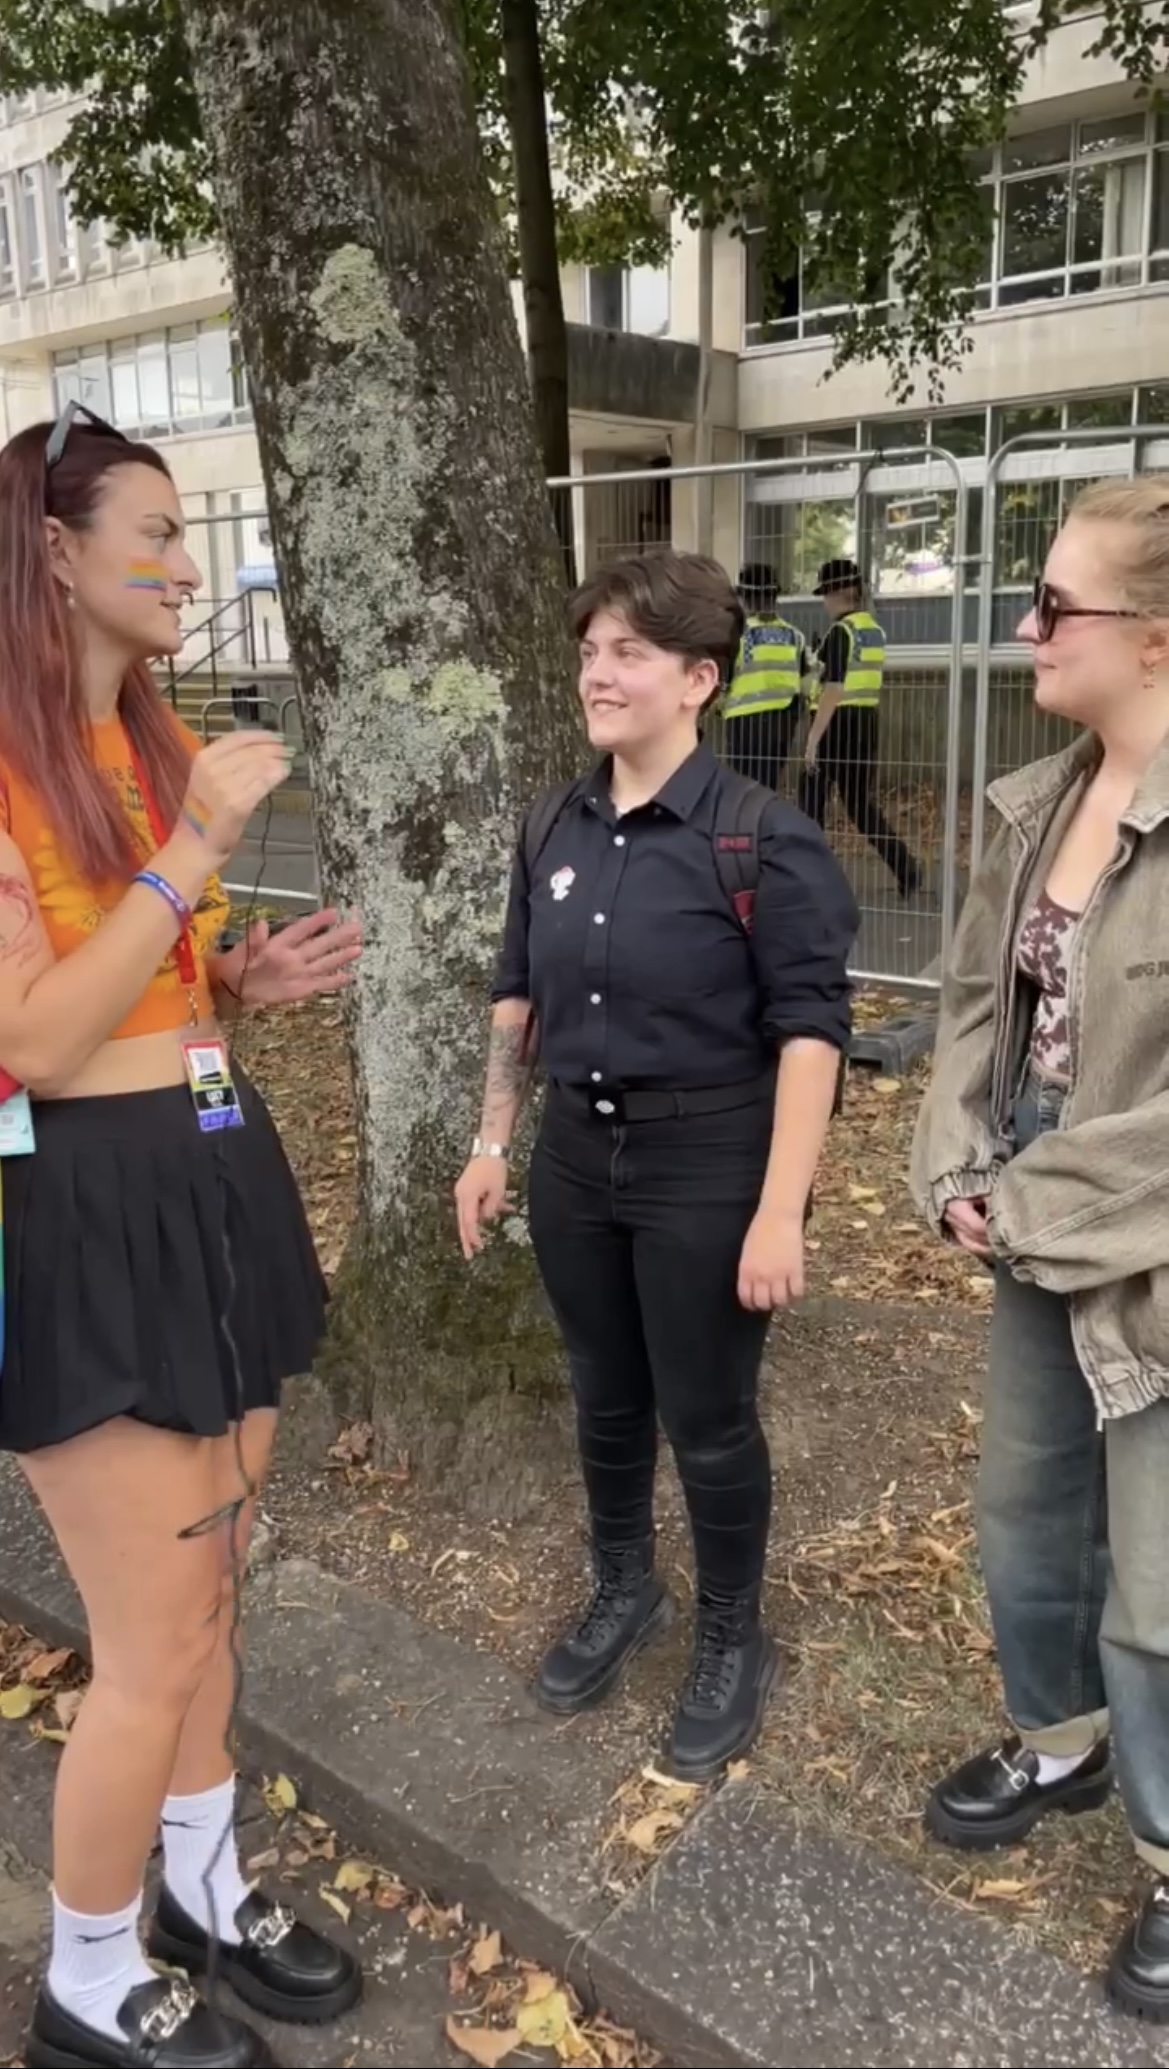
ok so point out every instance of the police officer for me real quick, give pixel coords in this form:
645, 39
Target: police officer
842, 747
692, 1066
761, 708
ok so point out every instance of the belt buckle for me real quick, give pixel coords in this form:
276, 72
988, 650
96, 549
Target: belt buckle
608, 1105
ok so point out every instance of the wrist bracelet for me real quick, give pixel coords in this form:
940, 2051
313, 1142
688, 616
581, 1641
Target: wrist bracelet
197, 818
499, 1150
174, 899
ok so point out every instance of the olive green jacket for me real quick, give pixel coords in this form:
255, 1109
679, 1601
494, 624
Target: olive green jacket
1084, 1210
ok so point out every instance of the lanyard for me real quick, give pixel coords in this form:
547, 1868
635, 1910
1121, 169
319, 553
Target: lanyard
184, 950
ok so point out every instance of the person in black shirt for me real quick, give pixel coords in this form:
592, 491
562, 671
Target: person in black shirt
692, 1070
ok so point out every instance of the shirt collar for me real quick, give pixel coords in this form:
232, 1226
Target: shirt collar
680, 796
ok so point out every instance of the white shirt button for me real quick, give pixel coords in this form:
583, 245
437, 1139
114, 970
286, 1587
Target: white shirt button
595, 999
596, 1077
598, 919
618, 840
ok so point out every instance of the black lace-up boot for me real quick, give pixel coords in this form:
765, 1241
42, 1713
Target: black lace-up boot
628, 1609
723, 1704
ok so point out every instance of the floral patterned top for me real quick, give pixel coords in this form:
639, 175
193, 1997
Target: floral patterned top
1045, 946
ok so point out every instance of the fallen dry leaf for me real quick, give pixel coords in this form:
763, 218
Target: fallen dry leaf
47, 1664
489, 2046
486, 1955
649, 1832
280, 1796
1003, 1891
546, 2022
67, 1704
399, 1542
355, 1878
344, 1911
20, 1701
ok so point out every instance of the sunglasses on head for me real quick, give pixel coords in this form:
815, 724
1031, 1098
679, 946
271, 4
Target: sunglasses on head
1049, 608
58, 437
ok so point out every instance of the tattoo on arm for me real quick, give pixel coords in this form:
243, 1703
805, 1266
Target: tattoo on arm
19, 942
510, 1061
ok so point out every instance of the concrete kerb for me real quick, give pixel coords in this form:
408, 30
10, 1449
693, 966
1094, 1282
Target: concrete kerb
752, 1942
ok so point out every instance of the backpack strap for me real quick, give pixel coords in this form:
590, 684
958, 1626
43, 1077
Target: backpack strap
736, 857
541, 818
736, 843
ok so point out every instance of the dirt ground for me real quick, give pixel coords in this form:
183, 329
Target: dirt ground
871, 1405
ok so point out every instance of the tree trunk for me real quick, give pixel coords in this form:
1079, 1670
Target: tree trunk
424, 601
527, 116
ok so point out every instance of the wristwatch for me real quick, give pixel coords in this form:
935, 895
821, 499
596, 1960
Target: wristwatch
500, 1150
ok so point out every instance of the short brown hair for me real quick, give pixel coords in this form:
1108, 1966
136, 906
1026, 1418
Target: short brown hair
684, 603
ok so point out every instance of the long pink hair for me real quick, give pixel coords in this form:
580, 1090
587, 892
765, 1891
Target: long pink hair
44, 723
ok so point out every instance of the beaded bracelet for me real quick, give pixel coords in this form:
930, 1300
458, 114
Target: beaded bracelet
174, 899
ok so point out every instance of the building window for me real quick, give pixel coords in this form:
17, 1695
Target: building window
1079, 209
7, 241
61, 226
31, 226
785, 307
630, 298
161, 383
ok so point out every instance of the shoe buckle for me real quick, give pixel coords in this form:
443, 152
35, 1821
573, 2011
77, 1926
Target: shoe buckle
1016, 1776
270, 1930
170, 2014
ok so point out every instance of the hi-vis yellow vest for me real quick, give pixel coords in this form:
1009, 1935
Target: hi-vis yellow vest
767, 672
866, 662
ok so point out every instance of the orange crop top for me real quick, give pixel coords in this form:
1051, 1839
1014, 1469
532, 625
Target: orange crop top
71, 910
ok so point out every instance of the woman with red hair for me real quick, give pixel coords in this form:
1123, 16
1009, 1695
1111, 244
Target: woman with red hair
159, 1274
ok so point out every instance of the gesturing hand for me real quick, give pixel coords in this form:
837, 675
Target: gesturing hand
307, 960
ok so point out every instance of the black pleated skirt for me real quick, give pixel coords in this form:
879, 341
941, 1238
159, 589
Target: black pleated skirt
151, 1270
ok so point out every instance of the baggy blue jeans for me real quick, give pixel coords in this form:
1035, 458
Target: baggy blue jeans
1073, 1530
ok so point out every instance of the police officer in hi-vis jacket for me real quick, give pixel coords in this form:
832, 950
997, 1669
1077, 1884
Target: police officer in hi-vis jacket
843, 745
761, 708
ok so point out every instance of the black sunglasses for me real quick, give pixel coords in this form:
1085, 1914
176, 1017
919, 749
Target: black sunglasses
58, 437
1049, 610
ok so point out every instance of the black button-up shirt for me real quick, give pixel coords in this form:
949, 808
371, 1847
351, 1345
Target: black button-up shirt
637, 967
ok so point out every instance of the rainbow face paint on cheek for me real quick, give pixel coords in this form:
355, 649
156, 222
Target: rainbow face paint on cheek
148, 574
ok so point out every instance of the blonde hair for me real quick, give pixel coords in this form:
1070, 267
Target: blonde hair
1141, 562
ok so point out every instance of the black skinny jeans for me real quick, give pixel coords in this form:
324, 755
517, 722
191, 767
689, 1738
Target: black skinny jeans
847, 762
638, 1232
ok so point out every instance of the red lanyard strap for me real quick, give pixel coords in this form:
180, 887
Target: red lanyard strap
184, 950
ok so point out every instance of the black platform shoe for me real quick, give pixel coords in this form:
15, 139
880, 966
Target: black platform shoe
996, 1798
281, 1967
166, 2026
723, 1704
628, 1609
1138, 1979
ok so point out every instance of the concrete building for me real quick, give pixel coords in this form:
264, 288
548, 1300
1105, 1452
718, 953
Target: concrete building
698, 362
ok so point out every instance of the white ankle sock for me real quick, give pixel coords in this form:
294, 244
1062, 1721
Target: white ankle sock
95, 1964
193, 1830
1056, 1767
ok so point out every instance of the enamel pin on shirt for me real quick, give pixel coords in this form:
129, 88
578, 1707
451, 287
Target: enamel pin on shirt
561, 883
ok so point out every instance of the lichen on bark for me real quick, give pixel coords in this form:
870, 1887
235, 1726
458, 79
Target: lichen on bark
424, 602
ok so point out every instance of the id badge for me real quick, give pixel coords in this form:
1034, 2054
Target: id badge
212, 1088
16, 1130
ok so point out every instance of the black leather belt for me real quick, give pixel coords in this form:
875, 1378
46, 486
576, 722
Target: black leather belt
609, 1103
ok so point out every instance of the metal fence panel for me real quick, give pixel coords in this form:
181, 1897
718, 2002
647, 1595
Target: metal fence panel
1031, 483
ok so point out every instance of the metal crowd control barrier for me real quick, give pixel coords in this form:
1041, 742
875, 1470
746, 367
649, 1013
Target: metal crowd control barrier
1030, 482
